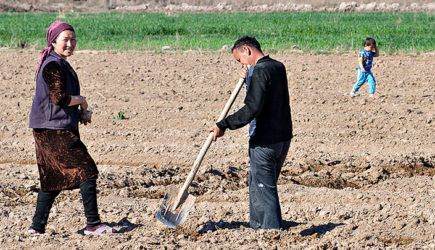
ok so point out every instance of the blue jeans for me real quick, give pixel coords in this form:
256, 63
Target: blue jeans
265, 166
365, 77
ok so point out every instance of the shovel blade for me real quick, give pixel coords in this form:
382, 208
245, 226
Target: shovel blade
173, 218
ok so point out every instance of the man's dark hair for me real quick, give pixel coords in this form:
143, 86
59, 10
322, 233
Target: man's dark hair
246, 41
369, 41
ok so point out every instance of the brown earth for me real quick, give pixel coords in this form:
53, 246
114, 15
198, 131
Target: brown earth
360, 172
212, 5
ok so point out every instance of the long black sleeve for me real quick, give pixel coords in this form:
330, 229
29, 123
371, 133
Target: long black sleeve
267, 100
254, 102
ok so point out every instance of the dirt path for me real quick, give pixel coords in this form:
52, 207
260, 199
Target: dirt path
359, 172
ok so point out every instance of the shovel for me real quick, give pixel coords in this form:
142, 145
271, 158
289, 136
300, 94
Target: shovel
177, 203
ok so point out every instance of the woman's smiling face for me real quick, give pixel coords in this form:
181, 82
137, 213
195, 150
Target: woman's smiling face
65, 43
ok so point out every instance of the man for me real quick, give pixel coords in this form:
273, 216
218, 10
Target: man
267, 109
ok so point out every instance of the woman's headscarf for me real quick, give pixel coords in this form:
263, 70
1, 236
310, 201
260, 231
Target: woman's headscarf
53, 31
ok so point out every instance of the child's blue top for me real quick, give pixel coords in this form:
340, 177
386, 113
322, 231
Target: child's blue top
367, 59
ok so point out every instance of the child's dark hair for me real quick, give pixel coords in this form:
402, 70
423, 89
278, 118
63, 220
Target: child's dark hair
246, 41
369, 41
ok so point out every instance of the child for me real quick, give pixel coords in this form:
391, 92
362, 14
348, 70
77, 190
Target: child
365, 59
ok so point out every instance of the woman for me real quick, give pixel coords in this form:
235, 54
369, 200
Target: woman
62, 158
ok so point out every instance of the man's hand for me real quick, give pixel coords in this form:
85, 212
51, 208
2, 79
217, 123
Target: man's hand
243, 72
217, 132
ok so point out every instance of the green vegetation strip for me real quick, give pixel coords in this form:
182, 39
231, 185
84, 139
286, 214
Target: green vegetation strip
310, 31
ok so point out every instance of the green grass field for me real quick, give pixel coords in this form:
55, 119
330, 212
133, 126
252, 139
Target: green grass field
311, 31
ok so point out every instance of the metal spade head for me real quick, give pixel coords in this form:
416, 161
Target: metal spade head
171, 217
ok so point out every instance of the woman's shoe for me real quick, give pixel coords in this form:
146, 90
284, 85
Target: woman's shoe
100, 229
34, 231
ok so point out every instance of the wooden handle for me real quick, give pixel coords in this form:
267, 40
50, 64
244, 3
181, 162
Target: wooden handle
231, 100
207, 143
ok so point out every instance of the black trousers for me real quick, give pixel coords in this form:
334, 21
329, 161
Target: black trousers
88, 190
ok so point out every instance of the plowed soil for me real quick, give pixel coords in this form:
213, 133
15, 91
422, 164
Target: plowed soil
360, 172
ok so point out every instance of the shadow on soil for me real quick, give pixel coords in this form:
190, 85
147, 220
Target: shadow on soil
213, 226
124, 226
320, 230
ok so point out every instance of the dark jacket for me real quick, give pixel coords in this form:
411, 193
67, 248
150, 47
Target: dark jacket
44, 113
267, 100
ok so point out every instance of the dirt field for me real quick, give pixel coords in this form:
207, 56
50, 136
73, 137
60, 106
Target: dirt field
213, 5
360, 172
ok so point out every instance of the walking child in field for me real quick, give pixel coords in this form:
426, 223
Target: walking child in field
365, 60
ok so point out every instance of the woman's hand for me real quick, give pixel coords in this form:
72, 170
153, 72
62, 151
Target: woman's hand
84, 105
81, 100
86, 117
